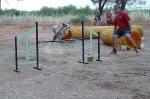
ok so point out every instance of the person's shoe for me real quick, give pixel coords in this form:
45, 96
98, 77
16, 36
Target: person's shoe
137, 50
113, 52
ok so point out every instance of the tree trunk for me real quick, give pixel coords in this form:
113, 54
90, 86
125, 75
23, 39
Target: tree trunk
101, 6
100, 9
123, 4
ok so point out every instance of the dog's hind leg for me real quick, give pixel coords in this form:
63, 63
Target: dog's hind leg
59, 38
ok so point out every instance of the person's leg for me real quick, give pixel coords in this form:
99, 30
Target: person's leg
132, 42
127, 35
114, 41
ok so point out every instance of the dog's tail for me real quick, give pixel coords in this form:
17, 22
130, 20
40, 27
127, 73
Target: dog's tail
54, 27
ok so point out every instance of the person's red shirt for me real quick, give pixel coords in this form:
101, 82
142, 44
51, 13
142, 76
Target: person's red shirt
108, 15
121, 20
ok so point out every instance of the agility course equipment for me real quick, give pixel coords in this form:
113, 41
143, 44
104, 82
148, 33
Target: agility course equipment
106, 37
76, 32
90, 56
137, 39
25, 36
121, 47
106, 34
139, 29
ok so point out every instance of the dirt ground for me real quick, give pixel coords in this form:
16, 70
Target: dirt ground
122, 76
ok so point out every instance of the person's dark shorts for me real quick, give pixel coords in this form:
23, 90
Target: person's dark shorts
121, 32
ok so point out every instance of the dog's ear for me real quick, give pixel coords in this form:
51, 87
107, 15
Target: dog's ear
63, 23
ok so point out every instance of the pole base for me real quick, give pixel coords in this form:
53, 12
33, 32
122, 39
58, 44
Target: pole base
35, 67
17, 71
98, 60
83, 62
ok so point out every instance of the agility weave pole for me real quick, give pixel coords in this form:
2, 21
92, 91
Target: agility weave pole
25, 36
91, 55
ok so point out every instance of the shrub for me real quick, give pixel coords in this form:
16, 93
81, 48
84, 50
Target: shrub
79, 18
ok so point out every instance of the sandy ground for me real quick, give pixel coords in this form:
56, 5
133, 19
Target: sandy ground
122, 76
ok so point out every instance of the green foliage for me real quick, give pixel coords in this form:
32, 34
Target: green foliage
12, 12
122, 3
66, 9
79, 18
46, 11
74, 14
5, 11
49, 11
70, 9
17, 12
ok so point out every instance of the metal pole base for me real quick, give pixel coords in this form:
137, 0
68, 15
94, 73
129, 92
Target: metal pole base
17, 71
98, 60
83, 62
35, 67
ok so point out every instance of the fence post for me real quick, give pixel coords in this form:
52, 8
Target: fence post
16, 57
83, 59
37, 49
98, 48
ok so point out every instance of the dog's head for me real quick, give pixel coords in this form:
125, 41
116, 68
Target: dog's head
65, 26
64, 29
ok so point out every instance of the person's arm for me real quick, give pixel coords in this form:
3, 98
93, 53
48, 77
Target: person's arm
115, 27
115, 24
127, 18
129, 25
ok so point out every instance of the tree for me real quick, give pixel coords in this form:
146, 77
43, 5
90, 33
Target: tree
122, 3
101, 4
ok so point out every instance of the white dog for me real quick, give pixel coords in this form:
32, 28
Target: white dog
61, 33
